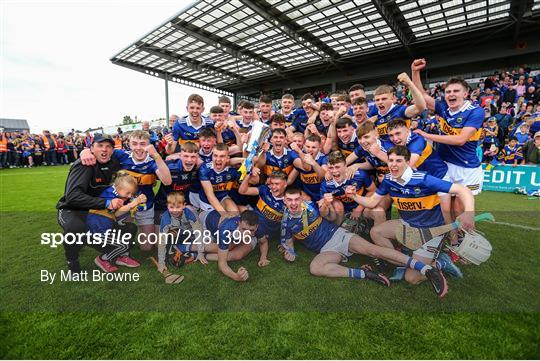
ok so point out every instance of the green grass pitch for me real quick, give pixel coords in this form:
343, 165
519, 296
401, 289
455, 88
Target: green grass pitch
281, 312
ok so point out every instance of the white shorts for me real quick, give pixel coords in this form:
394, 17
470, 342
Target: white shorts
339, 243
205, 207
144, 218
195, 200
428, 249
472, 178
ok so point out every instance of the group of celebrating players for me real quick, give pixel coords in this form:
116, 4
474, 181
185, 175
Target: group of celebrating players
324, 167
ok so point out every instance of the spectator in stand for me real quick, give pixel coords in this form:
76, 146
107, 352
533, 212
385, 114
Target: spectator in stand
154, 139
88, 140
61, 151
520, 87
531, 96
503, 120
531, 150
490, 130
522, 134
49, 144
512, 153
3, 150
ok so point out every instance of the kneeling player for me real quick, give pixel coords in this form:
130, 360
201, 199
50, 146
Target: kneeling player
302, 221
415, 196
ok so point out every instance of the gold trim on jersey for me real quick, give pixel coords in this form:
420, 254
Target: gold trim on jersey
417, 204
269, 212
143, 179
221, 187
447, 129
310, 178
306, 231
425, 154
268, 169
104, 213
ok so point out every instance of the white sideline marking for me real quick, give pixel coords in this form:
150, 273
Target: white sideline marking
518, 226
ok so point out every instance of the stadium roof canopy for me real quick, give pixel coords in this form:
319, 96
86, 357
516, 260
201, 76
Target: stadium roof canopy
232, 46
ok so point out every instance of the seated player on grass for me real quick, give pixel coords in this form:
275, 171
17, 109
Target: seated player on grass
124, 187
235, 238
302, 222
415, 195
338, 203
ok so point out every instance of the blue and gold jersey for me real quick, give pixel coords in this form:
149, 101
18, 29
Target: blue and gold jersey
282, 162
429, 161
380, 166
184, 130
270, 212
396, 111
299, 120
310, 181
416, 197
243, 125
323, 129
182, 181
144, 171
222, 182
361, 180
206, 158
226, 232
452, 124
509, 154
289, 117
100, 220
309, 228
348, 148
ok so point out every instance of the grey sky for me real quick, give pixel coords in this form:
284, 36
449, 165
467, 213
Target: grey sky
55, 68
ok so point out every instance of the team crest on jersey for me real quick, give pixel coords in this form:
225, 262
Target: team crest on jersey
417, 190
459, 120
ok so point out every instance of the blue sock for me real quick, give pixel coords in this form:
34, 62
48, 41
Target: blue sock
441, 263
417, 265
356, 273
